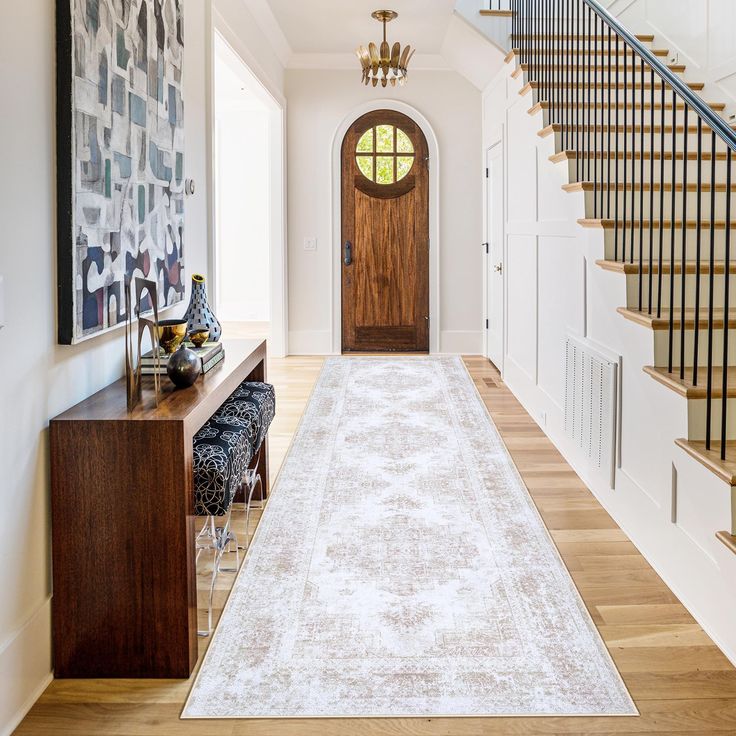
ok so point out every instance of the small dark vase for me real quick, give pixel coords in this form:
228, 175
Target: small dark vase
184, 367
198, 312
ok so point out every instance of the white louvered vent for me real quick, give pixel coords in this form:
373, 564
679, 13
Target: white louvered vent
591, 402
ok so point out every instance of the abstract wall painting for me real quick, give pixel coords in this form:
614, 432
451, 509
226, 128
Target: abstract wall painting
120, 158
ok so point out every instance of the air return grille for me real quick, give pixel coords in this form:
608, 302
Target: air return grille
591, 404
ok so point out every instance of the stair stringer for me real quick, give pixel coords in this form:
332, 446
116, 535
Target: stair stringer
667, 503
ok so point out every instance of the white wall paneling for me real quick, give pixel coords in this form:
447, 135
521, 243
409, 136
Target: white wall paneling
43, 379
319, 104
555, 288
701, 33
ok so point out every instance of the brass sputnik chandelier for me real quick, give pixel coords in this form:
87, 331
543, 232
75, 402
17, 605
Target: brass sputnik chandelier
384, 64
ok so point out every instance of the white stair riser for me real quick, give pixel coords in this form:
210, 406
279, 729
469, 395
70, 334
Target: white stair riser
719, 244
692, 205
697, 419
603, 142
661, 343
691, 281
631, 171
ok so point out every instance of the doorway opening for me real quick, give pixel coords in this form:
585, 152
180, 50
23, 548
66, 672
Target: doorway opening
248, 202
385, 235
495, 256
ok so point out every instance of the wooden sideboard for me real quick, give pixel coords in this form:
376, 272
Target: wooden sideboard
123, 526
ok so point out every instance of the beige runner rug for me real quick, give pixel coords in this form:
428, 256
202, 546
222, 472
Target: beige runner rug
401, 569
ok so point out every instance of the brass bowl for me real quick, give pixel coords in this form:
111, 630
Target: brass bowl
199, 336
171, 334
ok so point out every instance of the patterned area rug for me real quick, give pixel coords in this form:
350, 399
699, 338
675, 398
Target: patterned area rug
401, 569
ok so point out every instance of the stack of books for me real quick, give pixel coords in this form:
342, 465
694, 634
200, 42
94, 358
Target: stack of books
211, 354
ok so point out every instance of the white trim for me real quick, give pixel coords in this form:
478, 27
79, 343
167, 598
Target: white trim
25, 667
434, 218
276, 104
266, 21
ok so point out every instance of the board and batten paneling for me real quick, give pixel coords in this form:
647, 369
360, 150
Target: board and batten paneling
701, 33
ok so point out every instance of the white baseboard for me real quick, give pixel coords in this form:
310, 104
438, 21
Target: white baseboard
310, 342
25, 668
461, 342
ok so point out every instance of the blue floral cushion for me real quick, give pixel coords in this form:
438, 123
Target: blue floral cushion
225, 446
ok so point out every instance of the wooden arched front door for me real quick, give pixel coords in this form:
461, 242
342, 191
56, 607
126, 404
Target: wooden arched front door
385, 235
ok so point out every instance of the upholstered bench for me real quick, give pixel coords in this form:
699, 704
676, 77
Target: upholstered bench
224, 450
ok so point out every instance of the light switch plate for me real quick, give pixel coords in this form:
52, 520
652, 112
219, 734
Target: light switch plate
310, 243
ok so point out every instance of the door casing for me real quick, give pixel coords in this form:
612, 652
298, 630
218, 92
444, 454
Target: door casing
495, 282
333, 341
387, 226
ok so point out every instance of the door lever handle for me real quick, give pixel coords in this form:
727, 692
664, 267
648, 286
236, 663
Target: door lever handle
348, 259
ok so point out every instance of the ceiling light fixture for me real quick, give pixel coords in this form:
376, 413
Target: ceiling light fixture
384, 64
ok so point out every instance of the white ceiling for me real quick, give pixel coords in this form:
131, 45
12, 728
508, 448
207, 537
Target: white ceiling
339, 26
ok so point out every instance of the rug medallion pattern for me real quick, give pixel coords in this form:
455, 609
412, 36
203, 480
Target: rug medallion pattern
401, 569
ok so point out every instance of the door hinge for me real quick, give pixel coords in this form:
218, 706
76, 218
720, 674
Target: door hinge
487, 324
485, 245
487, 173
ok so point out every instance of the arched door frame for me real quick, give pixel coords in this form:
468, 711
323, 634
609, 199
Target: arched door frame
434, 218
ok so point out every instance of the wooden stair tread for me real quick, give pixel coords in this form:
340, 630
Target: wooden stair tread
544, 53
529, 86
676, 68
544, 105
654, 225
728, 539
691, 267
589, 186
685, 386
496, 13
637, 155
573, 128
643, 37
724, 469
662, 322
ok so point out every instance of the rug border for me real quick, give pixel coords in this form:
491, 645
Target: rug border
274, 489
606, 653
605, 650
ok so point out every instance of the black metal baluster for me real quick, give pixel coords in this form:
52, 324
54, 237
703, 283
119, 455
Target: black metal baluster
633, 160
618, 138
641, 193
698, 242
651, 191
576, 93
595, 123
683, 275
726, 306
672, 232
594, 95
662, 126
711, 279
625, 151
609, 77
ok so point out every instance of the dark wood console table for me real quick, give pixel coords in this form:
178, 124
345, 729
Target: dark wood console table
123, 525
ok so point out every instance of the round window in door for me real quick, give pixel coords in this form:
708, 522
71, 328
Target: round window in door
384, 154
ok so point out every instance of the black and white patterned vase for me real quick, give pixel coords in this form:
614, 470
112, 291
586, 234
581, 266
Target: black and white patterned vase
198, 312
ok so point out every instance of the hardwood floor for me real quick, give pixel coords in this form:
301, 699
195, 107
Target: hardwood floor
680, 681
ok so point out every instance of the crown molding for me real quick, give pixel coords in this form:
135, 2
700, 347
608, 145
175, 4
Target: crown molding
347, 61
266, 21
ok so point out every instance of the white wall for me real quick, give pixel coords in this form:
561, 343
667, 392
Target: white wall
702, 32
243, 213
319, 100
554, 287
39, 378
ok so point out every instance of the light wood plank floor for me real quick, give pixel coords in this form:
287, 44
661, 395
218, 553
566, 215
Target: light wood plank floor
681, 682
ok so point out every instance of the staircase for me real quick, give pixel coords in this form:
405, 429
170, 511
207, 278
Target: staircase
655, 165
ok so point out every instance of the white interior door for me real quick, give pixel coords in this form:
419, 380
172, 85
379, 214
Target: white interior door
495, 257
